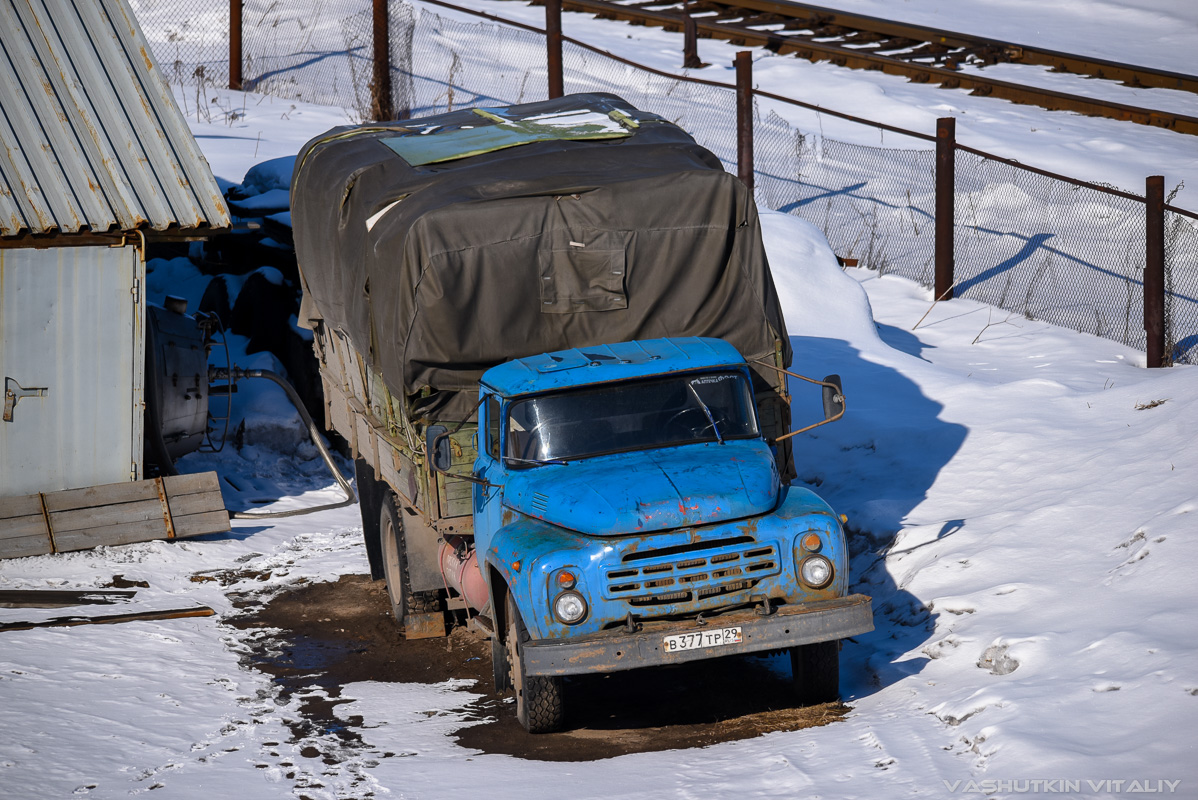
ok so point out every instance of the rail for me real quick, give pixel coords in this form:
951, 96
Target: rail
869, 43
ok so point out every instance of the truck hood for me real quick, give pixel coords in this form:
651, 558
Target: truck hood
650, 490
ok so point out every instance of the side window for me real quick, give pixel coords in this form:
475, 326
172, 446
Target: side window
493, 426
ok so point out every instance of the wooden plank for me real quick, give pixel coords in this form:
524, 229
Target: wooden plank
23, 546
195, 503
365, 439
16, 527
339, 412
63, 522
199, 524
106, 619
198, 483
62, 598
108, 494
23, 506
113, 514
110, 535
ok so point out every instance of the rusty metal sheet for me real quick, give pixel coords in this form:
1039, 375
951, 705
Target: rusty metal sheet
90, 137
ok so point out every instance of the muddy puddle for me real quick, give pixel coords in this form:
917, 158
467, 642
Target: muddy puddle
333, 634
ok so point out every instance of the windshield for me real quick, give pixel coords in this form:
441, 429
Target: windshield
633, 415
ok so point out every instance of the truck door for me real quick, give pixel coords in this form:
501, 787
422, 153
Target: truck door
488, 500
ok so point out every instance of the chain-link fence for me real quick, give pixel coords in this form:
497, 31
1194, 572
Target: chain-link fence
1045, 247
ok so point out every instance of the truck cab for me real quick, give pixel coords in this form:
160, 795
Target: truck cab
628, 512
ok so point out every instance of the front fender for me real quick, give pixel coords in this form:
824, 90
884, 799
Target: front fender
524, 554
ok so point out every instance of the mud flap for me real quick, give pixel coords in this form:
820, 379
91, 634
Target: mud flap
424, 626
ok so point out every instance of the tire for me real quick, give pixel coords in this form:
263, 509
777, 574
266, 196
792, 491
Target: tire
501, 667
395, 565
539, 705
815, 670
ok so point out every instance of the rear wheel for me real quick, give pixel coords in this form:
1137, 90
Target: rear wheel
816, 672
395, 565
539, 706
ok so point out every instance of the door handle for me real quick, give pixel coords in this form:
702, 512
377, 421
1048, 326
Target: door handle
13, 392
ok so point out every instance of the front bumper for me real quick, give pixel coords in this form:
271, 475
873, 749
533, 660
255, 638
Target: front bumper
615, 650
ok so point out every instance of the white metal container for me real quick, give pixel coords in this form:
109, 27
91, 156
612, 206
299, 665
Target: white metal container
72, 354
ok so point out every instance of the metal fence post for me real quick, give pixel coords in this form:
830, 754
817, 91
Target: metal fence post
744, 117
553, 41
946, 149
380, 86
1154, 269
690, 43
235, 44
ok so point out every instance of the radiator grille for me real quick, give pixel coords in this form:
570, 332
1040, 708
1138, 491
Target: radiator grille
690, 572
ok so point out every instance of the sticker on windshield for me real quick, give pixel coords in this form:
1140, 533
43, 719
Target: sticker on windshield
705, 379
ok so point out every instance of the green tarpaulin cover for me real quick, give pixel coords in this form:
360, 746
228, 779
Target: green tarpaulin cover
439, 267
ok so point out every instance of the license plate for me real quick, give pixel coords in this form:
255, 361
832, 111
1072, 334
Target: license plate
715, 637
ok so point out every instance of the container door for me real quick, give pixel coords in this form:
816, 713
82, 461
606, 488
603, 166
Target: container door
71, 361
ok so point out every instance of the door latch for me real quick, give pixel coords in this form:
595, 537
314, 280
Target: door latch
13, 392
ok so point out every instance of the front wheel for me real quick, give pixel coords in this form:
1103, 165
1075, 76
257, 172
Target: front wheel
539, 706
815, 670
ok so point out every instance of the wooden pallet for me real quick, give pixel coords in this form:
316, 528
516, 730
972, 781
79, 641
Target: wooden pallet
118, 513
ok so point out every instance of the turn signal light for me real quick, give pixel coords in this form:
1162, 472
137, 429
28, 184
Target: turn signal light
566, 579
812, 542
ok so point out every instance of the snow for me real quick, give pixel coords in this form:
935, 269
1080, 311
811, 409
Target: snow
1022, 499
1100, 150
270, 175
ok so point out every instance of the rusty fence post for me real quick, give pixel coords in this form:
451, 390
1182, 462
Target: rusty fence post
553, 43
235, 44
744, 117
690, 43
1154, 269
946, 150
380, 86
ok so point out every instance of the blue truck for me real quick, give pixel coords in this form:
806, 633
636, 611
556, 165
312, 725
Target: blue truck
550, 337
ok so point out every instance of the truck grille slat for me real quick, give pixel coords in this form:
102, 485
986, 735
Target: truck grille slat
656, 577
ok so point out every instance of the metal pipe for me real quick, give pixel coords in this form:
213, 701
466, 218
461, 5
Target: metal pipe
380, 87
946, 181
1154, 270
237, 374
690, 44
744, 117
235, 44
553, 44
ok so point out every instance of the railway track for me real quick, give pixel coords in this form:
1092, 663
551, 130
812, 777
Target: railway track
922, 55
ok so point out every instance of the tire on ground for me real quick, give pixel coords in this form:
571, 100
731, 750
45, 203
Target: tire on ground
539, 703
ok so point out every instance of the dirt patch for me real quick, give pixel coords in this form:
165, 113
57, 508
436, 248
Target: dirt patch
342, 632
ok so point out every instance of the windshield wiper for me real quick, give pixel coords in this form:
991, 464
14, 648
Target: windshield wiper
536, 462
707, 411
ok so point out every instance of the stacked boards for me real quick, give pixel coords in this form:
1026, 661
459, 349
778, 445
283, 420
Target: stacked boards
176, 506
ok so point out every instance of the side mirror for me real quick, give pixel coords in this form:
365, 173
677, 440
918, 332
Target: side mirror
833, 397
437, 440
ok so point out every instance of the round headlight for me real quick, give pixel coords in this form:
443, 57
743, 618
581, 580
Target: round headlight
816, 571
570, 607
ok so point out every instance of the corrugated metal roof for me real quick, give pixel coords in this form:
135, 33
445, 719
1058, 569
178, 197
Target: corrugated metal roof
90, 136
